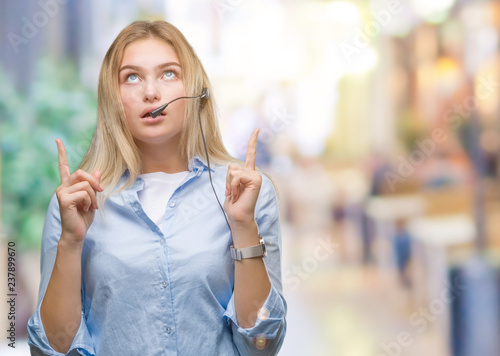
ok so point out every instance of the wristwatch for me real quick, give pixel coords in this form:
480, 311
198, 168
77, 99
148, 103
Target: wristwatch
249, 252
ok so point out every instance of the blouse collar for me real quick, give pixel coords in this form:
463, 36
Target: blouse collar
196, 164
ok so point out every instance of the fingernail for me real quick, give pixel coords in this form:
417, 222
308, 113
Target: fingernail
87, 208
101, 188
227, 192
234, 198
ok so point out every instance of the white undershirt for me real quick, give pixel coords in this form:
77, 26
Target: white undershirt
158, 188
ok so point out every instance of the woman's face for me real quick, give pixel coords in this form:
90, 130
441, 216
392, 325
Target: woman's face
150, 76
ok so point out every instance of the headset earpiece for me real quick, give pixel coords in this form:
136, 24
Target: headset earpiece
205, 94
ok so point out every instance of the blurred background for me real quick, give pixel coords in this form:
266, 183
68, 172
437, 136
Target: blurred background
379, 125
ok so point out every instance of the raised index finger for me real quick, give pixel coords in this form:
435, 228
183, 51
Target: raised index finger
252, 150
64, 171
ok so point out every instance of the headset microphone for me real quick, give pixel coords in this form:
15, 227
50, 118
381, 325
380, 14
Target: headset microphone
204, 94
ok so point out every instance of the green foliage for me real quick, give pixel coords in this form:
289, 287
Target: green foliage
57, 106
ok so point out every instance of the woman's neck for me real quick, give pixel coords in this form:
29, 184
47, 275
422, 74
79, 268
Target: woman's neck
161, 158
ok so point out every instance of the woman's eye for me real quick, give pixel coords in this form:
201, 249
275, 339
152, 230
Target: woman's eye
132, 78
169, 74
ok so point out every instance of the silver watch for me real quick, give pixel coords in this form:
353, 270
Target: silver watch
249, 252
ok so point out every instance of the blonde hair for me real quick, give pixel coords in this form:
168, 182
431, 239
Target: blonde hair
112, 148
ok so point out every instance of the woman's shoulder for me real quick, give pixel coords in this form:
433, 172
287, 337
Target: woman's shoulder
268, 189
53, 205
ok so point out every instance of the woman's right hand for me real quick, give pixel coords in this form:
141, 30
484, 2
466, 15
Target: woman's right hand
77, 199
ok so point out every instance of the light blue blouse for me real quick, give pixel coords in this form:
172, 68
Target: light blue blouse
168, 289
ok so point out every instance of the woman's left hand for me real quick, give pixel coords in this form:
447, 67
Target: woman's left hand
243, 186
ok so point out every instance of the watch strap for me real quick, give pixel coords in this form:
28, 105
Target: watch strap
249, 252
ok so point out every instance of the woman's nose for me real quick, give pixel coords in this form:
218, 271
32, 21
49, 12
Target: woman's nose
151, 91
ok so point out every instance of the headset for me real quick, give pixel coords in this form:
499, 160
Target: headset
204, 95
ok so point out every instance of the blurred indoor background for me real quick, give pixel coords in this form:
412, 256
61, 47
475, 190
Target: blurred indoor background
380, 125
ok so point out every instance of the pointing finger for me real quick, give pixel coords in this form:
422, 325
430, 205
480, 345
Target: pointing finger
252, 150
64, 171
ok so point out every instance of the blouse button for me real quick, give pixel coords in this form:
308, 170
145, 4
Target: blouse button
169, 330
162, 242
172, 204
164, 284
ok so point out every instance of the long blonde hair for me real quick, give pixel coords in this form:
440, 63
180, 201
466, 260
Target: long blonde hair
112, 148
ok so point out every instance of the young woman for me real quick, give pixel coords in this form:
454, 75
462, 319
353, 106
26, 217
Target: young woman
161, 270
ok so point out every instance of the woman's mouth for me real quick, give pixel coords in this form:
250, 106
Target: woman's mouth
148, 119
148, 114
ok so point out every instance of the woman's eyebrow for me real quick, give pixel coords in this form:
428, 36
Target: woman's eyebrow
138, 68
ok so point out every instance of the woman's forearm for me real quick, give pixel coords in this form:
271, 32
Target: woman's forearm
251, 281
61, 307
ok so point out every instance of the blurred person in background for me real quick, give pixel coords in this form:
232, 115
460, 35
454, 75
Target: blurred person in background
402, 252
161, 270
